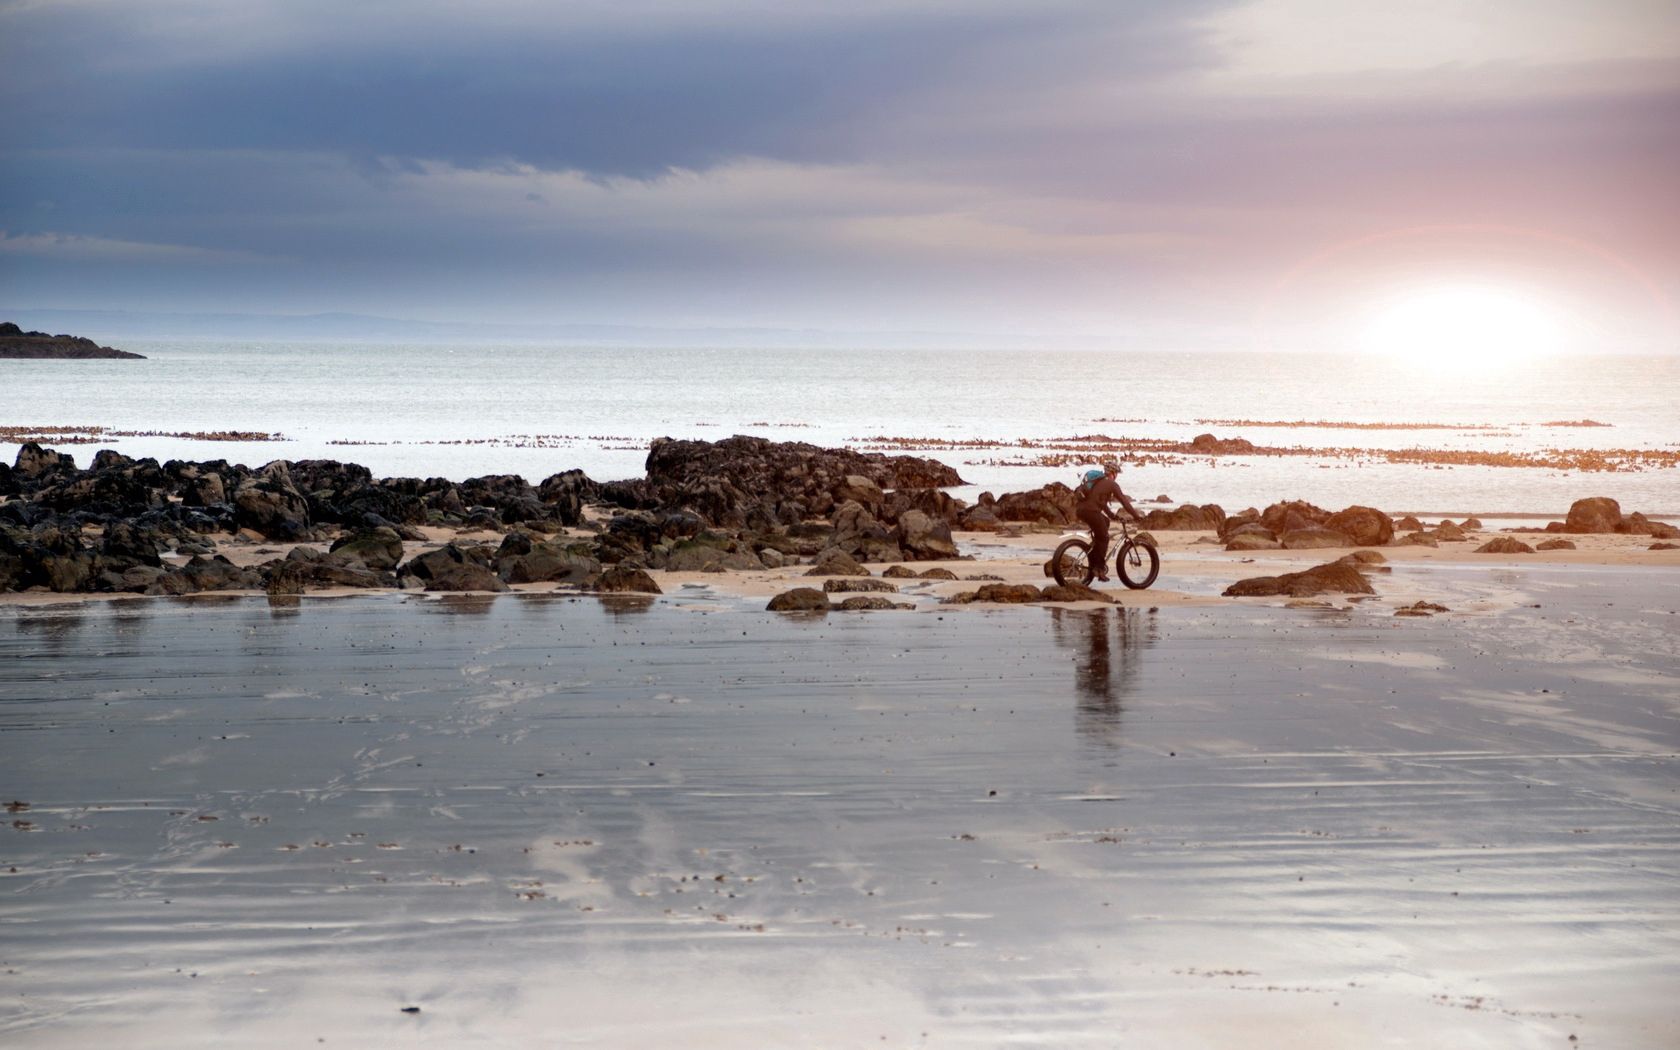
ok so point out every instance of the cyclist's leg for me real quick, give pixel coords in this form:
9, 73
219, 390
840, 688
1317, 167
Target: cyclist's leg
1098, 524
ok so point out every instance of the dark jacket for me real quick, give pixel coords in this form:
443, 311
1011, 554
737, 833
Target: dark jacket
1093, 501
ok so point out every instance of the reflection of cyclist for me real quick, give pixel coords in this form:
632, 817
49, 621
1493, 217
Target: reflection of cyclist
1095, 492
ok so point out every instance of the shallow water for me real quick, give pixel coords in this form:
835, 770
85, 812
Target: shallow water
460, 411
571, 822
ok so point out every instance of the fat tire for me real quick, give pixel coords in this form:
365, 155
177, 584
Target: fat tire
1072, 563
1140, 575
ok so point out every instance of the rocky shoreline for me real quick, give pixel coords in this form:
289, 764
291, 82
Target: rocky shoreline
17, 344
122, 525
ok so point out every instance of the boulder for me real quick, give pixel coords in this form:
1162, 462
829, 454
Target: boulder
1331, 578
1258, 540
923, 538
865, 602
1409, 524
1187, 518
379, 548
1311, 538
1073, 592
1504, 545
1418, 539
1594, 514
626, 579
1365, 526
800, 599
1008, 593
848, 583
1660, 546
546, 563
900, 572
1051, 505
1447, 532
1292, 514
33, 461
859, 489
270, 504
836, 562
465, 576
1555, 545
936, 573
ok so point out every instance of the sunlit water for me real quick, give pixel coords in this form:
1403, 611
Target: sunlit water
598, 408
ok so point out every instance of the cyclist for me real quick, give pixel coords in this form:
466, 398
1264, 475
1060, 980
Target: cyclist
1098, 488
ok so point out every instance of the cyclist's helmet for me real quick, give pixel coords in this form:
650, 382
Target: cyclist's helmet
1094, 474
1111, 465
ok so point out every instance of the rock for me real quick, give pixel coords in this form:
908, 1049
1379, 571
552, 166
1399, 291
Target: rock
1207, 444
1471, 525
468, 576
772, 558
443, 561
16, 344
851, 584
1365, 557
1418, 539
547, 563
861, 490
1447, 532
1259, 540
33, 461
270, 504
1073, 592
800, 599
1409, 524
625, 579
1008, 593
1555, 545
900, 572
1311, 538
1365, 526
1504, 545
864, 602
378, 548
923, 538
1664, 547
1292, 514
1051, 505
1594, 514
835, 562
1188, 518
1331, 578
980, 519
936, 574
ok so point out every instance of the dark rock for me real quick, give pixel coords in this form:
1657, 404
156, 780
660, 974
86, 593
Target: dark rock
271, 505
866, 602
900, 572
1418, 539
835, 562
1330, 578
1253, 538
1594, 514
1051, 505
377, 548
466, 576
1664, 547
1504, 545
923, 538
624, 579
1365, 526
547, 563
936, 574
1311, 538
1210, 445
16, 344
800, 599
33, 461
1073, 592
1188, 518
1008, 593
848, 583
1555, 545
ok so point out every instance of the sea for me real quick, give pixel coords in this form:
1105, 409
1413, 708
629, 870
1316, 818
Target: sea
459, 411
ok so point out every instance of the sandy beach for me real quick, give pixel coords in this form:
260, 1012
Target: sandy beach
472, 820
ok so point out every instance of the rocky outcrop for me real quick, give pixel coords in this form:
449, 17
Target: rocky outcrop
800, 599
1603, 514
1335, 577
1187, 518
15, 343
1504, 545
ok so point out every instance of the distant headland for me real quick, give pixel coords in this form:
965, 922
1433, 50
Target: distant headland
16, 343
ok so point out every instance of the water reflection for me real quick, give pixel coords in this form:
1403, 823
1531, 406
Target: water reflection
1109, 644
626, 604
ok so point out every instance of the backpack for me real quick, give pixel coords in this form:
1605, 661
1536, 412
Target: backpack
1088, 482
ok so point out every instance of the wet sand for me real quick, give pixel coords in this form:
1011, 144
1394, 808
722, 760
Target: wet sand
553, 820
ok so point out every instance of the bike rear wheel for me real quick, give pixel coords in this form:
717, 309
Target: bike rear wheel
1139, 564
1072, 563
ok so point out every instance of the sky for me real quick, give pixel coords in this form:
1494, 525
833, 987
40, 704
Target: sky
1160, 173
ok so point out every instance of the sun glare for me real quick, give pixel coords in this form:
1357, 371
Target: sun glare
1464, 327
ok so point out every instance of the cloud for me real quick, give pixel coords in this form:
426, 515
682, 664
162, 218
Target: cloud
81, 248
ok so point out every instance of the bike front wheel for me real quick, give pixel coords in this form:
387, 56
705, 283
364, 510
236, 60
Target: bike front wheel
1072, 563
1139, 564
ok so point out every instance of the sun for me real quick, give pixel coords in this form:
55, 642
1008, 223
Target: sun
1465, 327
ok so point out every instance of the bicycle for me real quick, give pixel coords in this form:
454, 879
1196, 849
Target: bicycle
1137, 562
